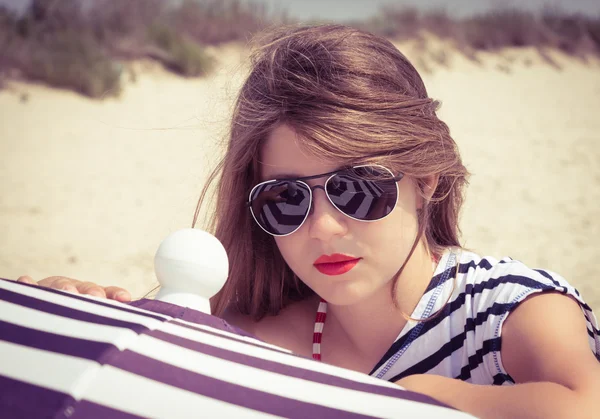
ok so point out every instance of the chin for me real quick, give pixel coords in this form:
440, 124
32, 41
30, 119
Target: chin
345, 294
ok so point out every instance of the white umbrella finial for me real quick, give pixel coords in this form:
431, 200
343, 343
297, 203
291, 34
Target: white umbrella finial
191, 266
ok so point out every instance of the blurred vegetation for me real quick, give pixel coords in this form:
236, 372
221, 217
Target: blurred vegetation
551, 28
85, 45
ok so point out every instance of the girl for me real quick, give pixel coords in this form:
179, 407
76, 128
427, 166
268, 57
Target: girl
338, 203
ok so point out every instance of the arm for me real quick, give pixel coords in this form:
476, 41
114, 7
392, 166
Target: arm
545, 349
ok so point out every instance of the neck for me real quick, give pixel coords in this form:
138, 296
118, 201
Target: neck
370, 326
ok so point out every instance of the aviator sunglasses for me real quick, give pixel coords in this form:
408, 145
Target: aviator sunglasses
363, 193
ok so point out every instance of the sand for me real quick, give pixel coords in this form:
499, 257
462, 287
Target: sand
90, 188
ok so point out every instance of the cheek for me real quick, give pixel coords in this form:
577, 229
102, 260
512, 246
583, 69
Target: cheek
291, 249
389, 240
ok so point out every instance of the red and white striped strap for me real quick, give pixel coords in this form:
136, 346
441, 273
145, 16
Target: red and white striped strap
319, 323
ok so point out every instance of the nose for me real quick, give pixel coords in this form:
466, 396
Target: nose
324, 220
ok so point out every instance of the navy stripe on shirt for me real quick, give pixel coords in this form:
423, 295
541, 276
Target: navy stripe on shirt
462, 269
457, 343
500, 379
457, 303
475, 360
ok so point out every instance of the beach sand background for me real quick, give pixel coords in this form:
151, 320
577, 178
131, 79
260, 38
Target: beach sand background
90, 188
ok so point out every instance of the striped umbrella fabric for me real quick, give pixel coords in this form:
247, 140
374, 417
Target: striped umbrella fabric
74, 356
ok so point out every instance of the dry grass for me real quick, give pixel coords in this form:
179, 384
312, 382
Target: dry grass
63, 43
574, 34
85, 49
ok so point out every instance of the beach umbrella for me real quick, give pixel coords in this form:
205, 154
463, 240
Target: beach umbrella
76, 356
73, 356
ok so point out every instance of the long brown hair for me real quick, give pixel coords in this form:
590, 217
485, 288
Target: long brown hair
351, 97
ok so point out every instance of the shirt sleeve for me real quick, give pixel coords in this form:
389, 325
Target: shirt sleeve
509, 283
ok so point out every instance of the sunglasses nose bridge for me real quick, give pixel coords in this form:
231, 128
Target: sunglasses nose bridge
313, 189
324, 220
326, 198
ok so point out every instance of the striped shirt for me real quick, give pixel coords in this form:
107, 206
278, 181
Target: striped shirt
463, 341
75, 356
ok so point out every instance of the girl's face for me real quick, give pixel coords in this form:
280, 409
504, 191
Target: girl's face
381, 246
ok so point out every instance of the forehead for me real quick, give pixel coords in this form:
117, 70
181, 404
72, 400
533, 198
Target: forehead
282, 156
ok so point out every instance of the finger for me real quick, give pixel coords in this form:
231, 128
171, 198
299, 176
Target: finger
26, 279
60, 283
117, 293
91, 289
60, 280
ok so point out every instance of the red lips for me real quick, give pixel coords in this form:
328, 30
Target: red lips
335, 264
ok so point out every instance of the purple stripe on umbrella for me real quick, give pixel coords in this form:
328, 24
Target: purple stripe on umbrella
100, 352
224, 391
198, 317
24, 400
87, 300
191, 327
46, 341
60, 310
291, 371
195, 316
88, 410
156, 306
189, 315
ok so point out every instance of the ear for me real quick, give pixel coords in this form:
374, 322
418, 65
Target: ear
427, 186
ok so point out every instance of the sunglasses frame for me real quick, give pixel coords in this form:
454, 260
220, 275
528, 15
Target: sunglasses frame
301, 180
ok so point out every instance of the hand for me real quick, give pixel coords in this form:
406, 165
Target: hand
79, 287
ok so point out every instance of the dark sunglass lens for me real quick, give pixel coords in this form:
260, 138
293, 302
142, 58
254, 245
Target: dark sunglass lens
366, 193
280, 207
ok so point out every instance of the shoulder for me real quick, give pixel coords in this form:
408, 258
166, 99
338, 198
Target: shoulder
506, 279
542, 332
239, 320
494, 288
497, 286
292, 328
